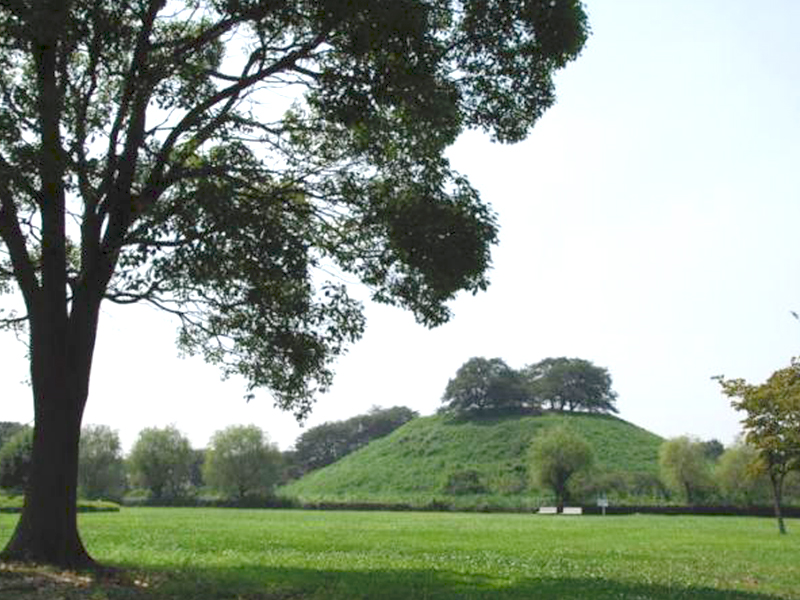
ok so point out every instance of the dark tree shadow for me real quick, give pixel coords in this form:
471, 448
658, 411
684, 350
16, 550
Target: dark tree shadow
254, 583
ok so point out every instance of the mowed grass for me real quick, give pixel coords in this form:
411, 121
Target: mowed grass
262, 554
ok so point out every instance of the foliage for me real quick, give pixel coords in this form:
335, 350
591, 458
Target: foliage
7, 429
241, 461
161, 461
740, 477
192, 197
174, 553
325, 444
484, 386
712, 449
684, 468
407, 466
571, 384
15, 459
555, 456
101, 469
771, 423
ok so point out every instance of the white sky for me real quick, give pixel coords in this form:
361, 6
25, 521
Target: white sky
649, 224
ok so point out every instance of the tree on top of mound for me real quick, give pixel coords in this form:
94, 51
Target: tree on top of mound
571, 384
147, 155
484, 386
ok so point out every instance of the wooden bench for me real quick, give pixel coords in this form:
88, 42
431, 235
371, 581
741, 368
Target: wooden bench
572, 510
548, 510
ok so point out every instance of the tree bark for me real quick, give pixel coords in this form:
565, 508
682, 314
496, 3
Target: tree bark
777, 494
61, 355
47, 531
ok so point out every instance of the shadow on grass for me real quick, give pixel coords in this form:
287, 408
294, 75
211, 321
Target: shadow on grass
258, 583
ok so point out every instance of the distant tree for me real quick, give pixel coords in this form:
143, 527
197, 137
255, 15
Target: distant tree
326, 443
712, 449
555, 455
15, 459
161, 461
740, 476
241, 461
101, 469
7, 429
771, 424
196, 472
684, 469
485, 386
571, 384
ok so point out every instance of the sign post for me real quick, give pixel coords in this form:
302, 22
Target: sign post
602, 502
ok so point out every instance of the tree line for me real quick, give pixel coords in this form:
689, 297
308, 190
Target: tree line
484, 386
239, 464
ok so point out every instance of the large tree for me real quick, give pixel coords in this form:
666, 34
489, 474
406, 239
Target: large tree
571, 384
486, 386
148, 153
771, 424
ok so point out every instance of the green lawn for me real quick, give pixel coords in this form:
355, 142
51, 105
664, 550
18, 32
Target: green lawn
261, 555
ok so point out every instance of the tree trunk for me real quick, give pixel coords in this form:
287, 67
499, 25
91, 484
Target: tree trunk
777, 493
61, 356
47, 531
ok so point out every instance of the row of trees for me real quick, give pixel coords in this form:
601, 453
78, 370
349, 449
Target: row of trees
691, 471
484, 386
239, 462
325, 444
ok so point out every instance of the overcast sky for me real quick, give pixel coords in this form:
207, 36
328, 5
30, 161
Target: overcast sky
649, 224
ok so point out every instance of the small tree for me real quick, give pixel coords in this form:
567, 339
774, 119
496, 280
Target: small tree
15, 459
240, 461
570, 384
771, 424
486, 386
740, 476
101, 470
683, 468
555, 456
161, 461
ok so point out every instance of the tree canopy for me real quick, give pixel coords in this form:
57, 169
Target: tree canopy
571, 384
484, 386
15, 459
101, 470
161, 461
148, 154
555, 455
241, 461
684, 467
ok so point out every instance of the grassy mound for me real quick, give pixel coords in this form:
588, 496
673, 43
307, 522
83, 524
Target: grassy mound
434, 459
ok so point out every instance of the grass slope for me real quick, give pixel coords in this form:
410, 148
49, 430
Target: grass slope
414, 463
